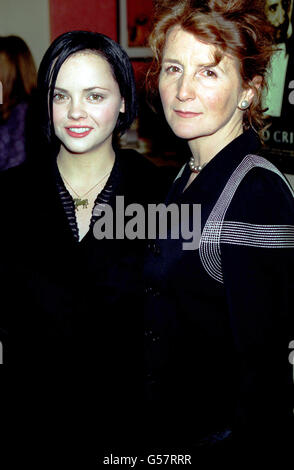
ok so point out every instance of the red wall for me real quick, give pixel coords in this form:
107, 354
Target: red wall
92, 15
137, 7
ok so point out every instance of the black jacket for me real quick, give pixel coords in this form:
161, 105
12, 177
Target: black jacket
217, 350
64, 296
76, 329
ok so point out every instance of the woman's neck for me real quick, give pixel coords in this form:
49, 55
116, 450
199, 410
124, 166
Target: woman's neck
205, 148
85, 169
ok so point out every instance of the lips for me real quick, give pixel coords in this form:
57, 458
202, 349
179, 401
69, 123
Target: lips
186, 114
78, 131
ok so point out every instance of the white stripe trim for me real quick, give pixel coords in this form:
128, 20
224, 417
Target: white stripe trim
180, 172
240, 233
217, 231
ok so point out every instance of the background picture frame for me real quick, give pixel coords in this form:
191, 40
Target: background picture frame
279, 100
134, 27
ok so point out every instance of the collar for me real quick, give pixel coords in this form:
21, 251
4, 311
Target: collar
215, 174
102, 198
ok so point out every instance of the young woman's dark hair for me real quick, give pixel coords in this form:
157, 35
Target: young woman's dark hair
74, 42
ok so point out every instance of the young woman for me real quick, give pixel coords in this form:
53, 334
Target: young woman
219, 318
78, 291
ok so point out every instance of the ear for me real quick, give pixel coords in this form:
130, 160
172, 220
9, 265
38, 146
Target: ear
251, 91
123, 106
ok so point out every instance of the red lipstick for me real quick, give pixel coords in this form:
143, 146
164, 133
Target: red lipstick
78, 135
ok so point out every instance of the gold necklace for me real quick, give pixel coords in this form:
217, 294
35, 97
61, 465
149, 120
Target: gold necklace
80, 200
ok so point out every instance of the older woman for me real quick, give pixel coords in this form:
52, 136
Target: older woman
218, 317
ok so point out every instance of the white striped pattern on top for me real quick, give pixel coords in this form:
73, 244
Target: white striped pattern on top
217, 230
69, 208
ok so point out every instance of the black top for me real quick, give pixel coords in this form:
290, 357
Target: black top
72, 307
103, 197
217, 352
70, 294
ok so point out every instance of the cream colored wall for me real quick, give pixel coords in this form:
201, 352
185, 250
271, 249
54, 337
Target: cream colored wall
28, 19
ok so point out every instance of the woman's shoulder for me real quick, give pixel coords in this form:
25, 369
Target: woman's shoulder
263, 196
13, 177
140, 176
130, 158
20, 182
267, 180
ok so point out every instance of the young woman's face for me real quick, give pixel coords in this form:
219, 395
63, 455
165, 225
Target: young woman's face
199, 99
86, 103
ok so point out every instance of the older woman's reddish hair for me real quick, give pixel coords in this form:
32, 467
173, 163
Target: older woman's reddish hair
236, 27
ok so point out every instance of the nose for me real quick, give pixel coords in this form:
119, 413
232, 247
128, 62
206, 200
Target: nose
76, 110
186, 89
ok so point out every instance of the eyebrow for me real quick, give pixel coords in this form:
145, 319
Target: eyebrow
85, 89
174, 61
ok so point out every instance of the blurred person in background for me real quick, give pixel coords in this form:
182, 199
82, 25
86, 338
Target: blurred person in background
19, 79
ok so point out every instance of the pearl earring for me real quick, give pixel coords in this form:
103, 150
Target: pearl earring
244, 104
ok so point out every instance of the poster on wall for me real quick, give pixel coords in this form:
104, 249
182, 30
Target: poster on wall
279, 137
135, 26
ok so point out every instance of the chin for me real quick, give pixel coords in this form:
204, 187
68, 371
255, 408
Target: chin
185, 130
75, 149
185, 133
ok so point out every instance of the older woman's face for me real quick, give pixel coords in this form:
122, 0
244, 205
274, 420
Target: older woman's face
198, 99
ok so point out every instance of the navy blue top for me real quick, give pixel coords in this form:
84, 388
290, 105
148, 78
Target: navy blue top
217, 353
